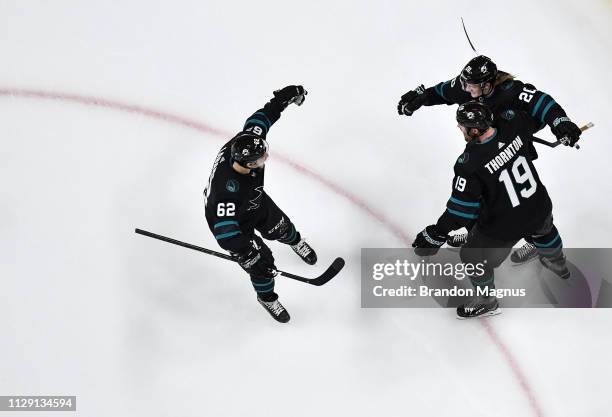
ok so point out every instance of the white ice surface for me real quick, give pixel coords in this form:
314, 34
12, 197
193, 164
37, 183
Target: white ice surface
135, 327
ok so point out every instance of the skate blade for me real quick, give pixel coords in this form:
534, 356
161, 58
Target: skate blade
495, 312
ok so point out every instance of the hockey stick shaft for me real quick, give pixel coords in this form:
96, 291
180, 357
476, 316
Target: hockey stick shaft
327, 275
468, 36
558, 142
184, 244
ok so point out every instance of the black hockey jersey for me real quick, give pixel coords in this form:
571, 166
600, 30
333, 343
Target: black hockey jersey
231, 198
508, 98
497, 186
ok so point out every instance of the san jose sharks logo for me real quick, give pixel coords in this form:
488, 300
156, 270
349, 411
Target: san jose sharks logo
508, 114
232, 186
256, 202
463, 158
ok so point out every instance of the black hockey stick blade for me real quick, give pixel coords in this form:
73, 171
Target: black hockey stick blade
333, 270
329, 273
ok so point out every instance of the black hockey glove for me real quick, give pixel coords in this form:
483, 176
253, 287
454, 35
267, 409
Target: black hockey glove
411, 101
428, 242
566, 131
257, 260
290, 94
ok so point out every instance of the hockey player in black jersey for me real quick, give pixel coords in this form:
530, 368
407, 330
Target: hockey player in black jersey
237, 205
505, 96
498, 196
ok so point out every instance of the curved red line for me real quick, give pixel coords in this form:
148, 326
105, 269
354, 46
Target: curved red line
518, 373
202, 127
192, 124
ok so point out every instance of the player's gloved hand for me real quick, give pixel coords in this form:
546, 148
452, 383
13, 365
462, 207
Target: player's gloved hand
290, 94
411, 101
257, 260
567, 132
429, 241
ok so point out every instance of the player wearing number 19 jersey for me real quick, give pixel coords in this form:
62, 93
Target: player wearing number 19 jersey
497, 195
505, 96
237, 205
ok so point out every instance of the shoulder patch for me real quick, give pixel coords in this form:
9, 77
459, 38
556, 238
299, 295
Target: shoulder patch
508, 114
463, 158
506, 85
232, 186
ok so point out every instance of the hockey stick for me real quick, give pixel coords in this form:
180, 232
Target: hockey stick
559, 142
335, 267
468, 37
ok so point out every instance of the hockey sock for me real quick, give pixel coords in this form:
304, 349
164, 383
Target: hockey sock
549, 245
290, 237
485, 282
264, 287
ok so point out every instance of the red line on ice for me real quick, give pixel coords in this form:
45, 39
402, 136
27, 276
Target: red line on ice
516, 369
202, 127
175, 119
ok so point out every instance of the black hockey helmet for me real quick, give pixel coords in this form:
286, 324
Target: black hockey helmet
479, 70
475, 115
248, 147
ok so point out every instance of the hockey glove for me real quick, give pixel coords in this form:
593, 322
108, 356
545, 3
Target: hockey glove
566, 131
257, 260
428, 242
411, 101
290, 94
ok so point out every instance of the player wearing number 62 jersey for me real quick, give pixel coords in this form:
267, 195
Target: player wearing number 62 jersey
497, 195
237, 205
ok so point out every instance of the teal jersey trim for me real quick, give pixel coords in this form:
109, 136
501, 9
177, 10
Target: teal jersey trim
225, 223
538, 104
460, 214
490, 139
265, 117
464, 203
440, 89
255, 284
226, 235
256, 121
546, 245
548, 106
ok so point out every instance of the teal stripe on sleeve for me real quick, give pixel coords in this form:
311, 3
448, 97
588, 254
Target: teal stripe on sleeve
460, 214
256, 121
265, 117
548, 106
464, 203
538, 104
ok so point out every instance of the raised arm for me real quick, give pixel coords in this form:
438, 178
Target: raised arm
261, 121
446, 92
